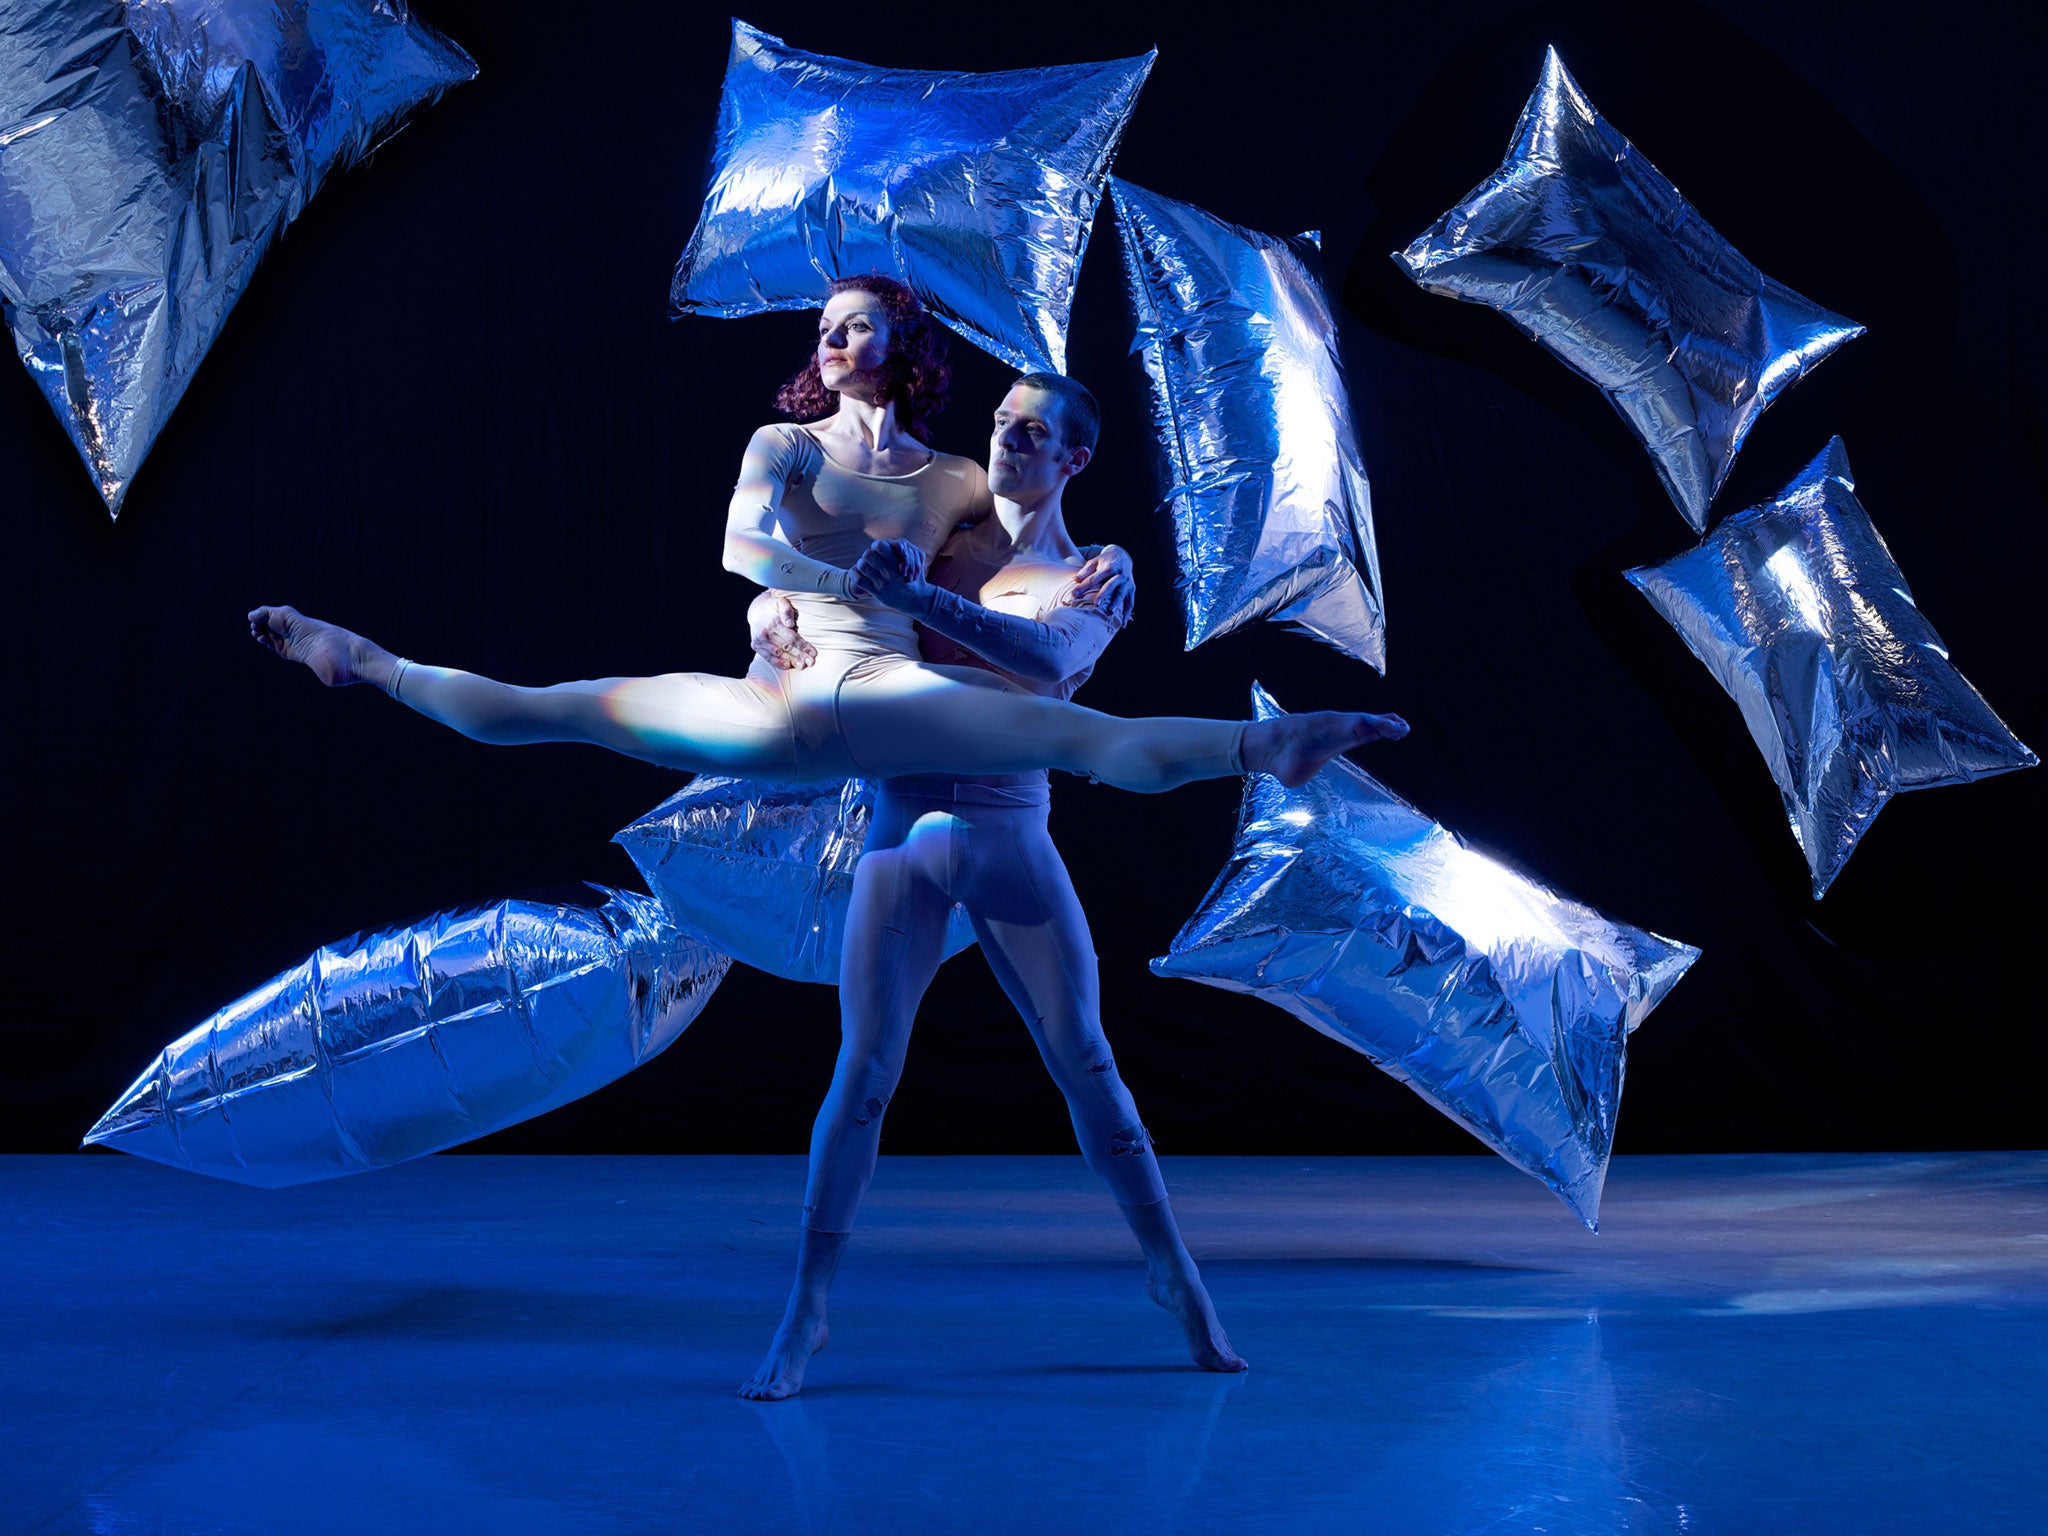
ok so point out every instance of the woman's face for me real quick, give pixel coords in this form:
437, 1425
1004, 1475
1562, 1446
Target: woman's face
853, 341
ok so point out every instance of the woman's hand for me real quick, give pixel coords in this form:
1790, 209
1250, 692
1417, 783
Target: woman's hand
892, 572
771, 621
1105, 584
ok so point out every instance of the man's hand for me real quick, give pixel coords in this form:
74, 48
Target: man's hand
1105, 584
892, 572
771, 621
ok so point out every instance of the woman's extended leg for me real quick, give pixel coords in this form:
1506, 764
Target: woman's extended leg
901, 718
894, 941
1036, 939
880, 715
688, 720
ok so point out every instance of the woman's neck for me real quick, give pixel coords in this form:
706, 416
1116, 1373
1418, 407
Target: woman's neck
874, 427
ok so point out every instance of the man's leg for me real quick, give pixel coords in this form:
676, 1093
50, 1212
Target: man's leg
1036, 939
895, 938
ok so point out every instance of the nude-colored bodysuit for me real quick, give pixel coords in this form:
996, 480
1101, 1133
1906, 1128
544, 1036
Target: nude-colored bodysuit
868, 705
832, 514
981, 842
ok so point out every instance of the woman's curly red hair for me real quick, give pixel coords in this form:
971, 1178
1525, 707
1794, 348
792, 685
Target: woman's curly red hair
915, 377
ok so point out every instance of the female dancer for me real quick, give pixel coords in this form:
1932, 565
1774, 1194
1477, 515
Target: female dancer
805, 517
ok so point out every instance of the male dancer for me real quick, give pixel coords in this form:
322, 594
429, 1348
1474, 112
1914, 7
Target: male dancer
1001, 596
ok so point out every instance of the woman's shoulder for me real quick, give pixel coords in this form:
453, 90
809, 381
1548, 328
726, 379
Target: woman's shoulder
967, 480
785, 445
953, 463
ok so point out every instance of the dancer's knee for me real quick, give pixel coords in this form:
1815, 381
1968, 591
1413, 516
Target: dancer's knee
861, 1095
1083, 1065
1124, 1160
1129, 1140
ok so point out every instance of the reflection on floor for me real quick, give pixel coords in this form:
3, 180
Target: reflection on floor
1753, 1345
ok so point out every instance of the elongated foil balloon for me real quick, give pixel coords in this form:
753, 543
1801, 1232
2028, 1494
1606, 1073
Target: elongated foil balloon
1505, 1005
976, 190
414, 1039
1271, 511
763, 872
149, 154
1800, 612
1582, 244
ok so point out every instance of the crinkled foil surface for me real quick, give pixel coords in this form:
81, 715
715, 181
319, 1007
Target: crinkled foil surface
417, 1038
1272, 514
977, 190
1798, 609
149, 154
1506, 1006
763, 872
1584, 245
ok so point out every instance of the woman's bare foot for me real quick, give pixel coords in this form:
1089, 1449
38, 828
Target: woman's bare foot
337, 656
782, 1372
1187, 1299
1294, 748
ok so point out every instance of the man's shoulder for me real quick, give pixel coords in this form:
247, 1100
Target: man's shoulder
1044, 580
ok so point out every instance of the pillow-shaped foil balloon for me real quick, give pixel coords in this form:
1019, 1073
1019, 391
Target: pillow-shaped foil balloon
1506, 1006
1800, 612
149, 154
404, 1042
1272, 515
763, 872
1588, 249
977, 190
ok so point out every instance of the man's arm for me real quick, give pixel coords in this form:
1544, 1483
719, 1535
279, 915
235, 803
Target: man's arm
1105, 582
892, 572
772, 632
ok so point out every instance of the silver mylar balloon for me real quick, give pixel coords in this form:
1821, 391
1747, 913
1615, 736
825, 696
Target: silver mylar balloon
763, 872
1505, 1005
149, 154
1800, 612
404, 1042
1271, 511
977, 190
1584, 245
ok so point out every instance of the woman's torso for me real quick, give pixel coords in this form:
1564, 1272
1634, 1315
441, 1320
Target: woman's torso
832, 513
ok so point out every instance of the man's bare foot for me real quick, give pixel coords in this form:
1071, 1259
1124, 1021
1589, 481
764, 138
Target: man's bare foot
1188, 1300
789, 1352
337, 656
1294, 748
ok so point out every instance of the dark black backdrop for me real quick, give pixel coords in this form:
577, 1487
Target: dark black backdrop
449, 412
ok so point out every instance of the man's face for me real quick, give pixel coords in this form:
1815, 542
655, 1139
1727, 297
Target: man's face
1028, 459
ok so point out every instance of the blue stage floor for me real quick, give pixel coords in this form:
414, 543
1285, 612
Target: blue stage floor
1755, 1345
